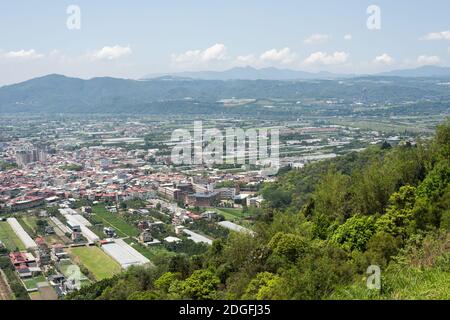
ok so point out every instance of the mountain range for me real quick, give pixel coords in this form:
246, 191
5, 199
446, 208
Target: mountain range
175, 94
250, 73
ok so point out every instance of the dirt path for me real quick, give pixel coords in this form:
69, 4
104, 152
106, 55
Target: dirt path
5, 290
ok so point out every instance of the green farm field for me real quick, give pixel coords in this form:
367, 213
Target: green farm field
114, 220
9, 238
96, 261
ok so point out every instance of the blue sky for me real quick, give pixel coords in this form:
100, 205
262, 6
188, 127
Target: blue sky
134, 38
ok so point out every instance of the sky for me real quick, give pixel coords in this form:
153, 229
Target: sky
131, 39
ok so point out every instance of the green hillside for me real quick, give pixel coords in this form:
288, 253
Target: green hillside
320, 229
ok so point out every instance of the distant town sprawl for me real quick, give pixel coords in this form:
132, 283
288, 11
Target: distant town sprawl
83, 198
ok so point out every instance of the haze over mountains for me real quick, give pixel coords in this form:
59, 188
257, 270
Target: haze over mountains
183, 94
250, 73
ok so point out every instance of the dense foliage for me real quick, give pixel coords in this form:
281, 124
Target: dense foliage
320, 229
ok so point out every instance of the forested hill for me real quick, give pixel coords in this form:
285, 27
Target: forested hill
320, 229
60, 94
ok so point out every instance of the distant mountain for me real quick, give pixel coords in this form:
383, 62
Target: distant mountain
173, 95
425, 72
249, 73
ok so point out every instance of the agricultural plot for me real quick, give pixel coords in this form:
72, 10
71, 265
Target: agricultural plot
66, 268
47, 293
35, 295
5, 291
114, 220
9, 237
96, 261
31, 284
231, 213
29, 224
149, 252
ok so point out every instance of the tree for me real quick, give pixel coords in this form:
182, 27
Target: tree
275, 197
290, 246
144, 295
381, 248
201, 285
179, 264
354, 233
263, 287
435, 183
441, 142
399, 216
331, 196
164, 282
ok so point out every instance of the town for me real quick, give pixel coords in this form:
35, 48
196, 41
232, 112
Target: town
83, 199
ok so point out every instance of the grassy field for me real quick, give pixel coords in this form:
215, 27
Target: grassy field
114, 220
384, 126
231, 214
30, 221
31, 284
96, 261
9, 238
149, 252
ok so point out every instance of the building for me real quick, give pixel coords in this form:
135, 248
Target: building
203, 199
226, 193
49, 230
58, 253
74, 227
109, 232
124, 254
145, 236
43, 252
24, 157
254, 202
197, 238
86, 209
23, 203
235, 227
169, 192
171, 239
24, 263
209, 215
76, 236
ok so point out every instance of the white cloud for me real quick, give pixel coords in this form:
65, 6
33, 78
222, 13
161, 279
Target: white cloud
54, 53
326, 59
247, 60
111, 53
216, 52
284, 56
443, 35
384, 59
23, 54
317, 38
348, 37
428, 60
